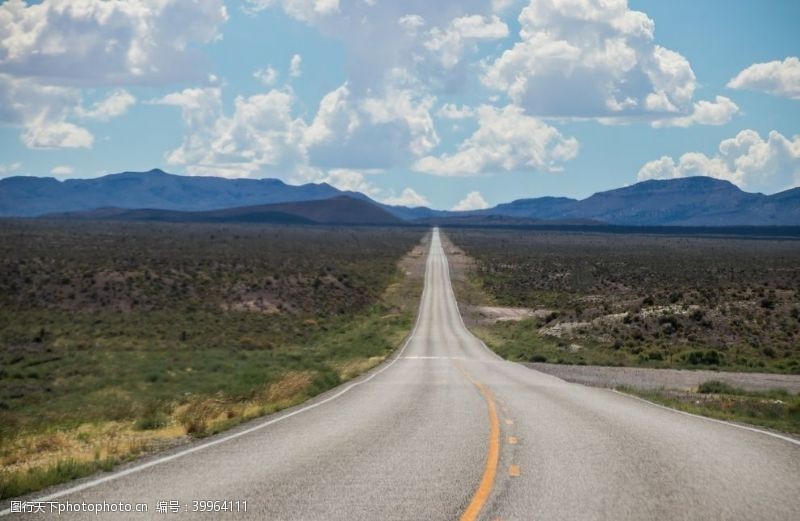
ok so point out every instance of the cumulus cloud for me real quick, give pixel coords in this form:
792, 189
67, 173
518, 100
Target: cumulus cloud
261, 137
779, 78
717, 112
51, 49
399, 54
350, 180
295, 66
98, 42
411, 23
473, 201
427, 39
62, 170
304, 10
268, 76
451, 111
116, 104
408, 197
506, 140
449, 43
592, 59
10, 168
358, 181
372, 131
41, 111
747, 160
58, 134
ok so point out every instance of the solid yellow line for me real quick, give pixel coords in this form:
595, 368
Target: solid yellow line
484, 489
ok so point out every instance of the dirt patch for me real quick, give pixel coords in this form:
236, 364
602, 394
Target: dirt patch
505, 314
679, 379
253, 305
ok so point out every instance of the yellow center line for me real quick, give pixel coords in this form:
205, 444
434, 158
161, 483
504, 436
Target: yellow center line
484, 489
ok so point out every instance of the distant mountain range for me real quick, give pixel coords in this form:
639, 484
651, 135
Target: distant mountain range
34, 196
690, 201
341, 209
159, 196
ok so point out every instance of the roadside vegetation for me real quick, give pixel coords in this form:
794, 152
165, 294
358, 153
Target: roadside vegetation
120, 339
776, 409
633, 300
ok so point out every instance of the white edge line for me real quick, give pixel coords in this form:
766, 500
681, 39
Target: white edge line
196, 448
706, 418
461, 318
723, 422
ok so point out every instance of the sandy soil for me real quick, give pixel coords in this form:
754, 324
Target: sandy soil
645, 378
501, 314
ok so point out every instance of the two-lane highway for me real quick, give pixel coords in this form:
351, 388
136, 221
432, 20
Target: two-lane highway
447, 430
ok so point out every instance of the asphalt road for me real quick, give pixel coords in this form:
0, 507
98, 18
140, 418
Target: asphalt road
447, 430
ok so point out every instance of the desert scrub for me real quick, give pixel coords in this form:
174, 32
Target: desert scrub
775, 409
727, 303
118, 339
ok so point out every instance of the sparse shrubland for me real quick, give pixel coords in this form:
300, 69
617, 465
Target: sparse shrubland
118, 339
629, 299
772, 409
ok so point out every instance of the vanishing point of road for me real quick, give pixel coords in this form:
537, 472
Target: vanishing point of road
446, 430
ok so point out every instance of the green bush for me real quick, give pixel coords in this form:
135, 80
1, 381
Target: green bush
710, 357
152, 422
715, 387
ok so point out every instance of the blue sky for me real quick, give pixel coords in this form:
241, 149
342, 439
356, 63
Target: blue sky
455, 103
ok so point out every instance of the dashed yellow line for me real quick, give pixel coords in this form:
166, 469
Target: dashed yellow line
509, 421
514, 471
511, 440
484, 489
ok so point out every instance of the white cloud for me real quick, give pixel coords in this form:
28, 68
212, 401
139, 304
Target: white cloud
591, 59
98, 42
382, 36
398, 55
449, 43
268, 76
717, 112
51, 49
411, 23
10, 168
295, 66
409, 198
376, 130
58, 134
260, 138
41, 111
506, 140
116, 104
775, 77
747, 160
304, 10
473, 201
62, 170
451, 111
350, 180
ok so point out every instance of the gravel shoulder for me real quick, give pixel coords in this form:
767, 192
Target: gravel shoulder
653, 379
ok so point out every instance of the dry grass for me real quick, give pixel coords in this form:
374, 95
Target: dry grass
82, 390
87, 443
352, 368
